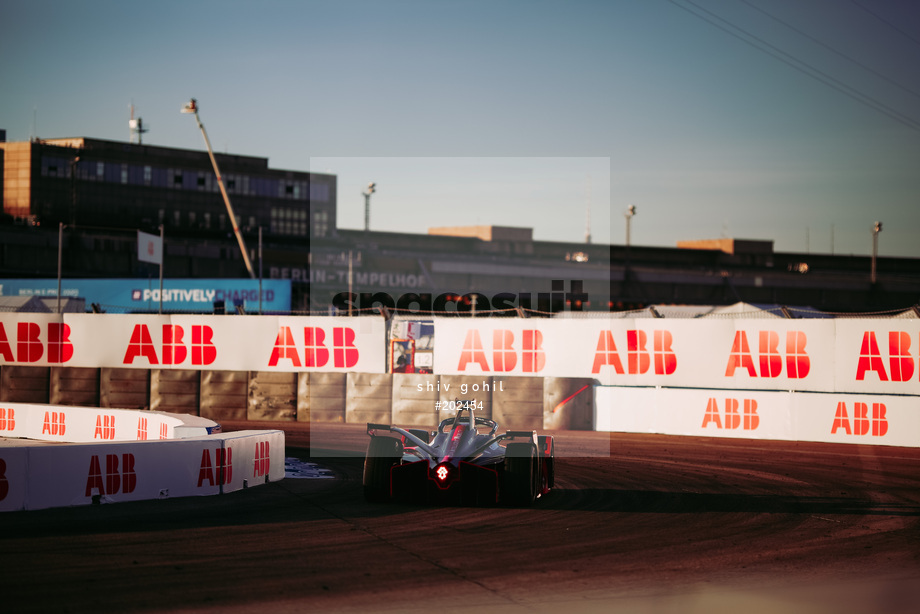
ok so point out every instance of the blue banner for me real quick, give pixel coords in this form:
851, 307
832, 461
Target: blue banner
143, 295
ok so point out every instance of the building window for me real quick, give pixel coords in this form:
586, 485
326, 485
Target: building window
124, 173
100, 170
148, 175
207, 220
320, 223
177, 178
191, 219
177, 217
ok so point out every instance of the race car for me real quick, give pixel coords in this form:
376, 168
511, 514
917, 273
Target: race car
462, 462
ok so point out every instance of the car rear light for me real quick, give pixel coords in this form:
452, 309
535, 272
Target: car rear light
443, 475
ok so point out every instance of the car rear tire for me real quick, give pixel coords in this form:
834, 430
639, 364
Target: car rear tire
520, 475
382, 454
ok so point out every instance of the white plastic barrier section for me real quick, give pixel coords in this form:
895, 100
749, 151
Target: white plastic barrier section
133, 341
791, 416
87, 424
43, 476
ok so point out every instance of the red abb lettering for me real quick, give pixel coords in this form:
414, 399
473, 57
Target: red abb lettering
862, 422
662, 360
29, 345
606, 353
504, 355
285, 348
142, 429
748, 420
7, 419
344, 352
262, 462
315, 352
900, 360
53, 424
472, 352
798, 363
115, 479
217, 473
105, 427
174, 351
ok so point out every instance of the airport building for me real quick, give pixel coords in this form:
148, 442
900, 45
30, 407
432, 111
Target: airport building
89, 197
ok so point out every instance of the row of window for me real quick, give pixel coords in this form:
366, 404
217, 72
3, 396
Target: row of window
175, 178
284, 221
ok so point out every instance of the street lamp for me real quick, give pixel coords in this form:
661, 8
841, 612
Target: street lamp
192, 107
877, 228
630, 212
371, 188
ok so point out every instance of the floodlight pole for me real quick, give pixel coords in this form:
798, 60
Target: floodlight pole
876, 228
192, 107
371, 188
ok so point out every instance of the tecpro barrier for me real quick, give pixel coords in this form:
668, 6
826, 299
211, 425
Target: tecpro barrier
247, 367
870, 355
92, 455
757, 414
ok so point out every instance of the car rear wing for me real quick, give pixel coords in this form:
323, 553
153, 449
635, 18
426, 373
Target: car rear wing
372, 429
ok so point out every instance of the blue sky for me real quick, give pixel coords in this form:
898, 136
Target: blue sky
797, 122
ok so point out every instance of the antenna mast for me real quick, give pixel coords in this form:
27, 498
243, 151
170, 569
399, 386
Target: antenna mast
137, 127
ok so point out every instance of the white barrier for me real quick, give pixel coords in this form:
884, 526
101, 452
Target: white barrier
88, 424
791, 416
43, 476
132, 341
92, 455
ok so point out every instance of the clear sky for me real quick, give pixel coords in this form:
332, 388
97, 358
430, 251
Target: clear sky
785, 120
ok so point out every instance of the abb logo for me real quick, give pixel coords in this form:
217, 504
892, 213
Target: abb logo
7, 419
315, 351
862, 421
900, 362
173, 350
29, 345
730, 419
4, 483
262, 460
639, 360
105, 428
770, 360
115, 479
53, 424
218, 472
504, 354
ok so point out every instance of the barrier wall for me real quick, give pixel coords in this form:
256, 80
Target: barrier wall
38, 477
757, 414
102, 455
334, 368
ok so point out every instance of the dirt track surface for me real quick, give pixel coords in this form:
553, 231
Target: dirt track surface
637, 523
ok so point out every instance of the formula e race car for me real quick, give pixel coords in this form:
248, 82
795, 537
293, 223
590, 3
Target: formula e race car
462, 462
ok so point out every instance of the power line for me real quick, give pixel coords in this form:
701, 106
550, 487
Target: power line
832, 50
886, 22
797, 64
